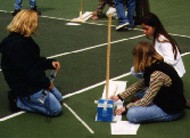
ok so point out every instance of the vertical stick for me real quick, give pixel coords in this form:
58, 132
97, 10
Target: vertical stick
81, 8
108, 56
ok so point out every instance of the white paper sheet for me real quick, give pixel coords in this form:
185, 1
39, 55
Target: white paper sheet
124, 128
115, 87
87, 15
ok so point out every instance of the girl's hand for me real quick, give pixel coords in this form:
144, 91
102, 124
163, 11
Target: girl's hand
115, 98
120, 110
51, 86
94, 15
56, 65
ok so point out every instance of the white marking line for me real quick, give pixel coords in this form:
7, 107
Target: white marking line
95, 46
103, 82
55, 18
79, 119
93, 23
4, 11
94, 86
11, 116
180, 35
184, 54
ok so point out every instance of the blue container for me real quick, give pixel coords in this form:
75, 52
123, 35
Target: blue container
105, 110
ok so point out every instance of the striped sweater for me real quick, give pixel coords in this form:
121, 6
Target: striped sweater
159, 81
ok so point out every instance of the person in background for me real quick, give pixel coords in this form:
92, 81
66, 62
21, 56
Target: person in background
99, 10
163, 43
24, 69
125, 20
164, 99
18, 6
142, 8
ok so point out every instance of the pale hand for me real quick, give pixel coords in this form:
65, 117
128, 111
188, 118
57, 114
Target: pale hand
120, 111
94, 15
56, 65
115, 98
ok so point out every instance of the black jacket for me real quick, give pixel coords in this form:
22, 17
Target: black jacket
22, 65
170, 99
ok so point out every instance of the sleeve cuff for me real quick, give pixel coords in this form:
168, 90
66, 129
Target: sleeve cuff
120, 97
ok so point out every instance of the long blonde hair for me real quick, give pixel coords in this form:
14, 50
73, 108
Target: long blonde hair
144, 56
25, 23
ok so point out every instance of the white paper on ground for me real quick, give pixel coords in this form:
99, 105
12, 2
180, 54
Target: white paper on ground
87, 15
115, 87
124, 128
117, 118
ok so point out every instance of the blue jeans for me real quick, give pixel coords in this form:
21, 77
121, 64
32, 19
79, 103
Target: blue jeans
120, 8
152, 113
138, 75
18, 4
44, 102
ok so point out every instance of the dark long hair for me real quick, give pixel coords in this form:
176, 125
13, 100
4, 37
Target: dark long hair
151, 19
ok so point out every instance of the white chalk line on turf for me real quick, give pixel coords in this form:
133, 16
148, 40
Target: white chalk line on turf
184, 54
11, 116
95, 46
103, 82
93, 23
78, 118
80, 91
94, 86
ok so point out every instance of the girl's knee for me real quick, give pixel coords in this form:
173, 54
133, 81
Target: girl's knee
56, 111
132, 115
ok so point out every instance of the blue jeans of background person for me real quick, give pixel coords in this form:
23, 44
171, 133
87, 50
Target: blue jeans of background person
18, 4
44, 102
120, 9
138, 75
152, 113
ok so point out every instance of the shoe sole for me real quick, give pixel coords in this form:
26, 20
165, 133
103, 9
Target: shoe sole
121, 26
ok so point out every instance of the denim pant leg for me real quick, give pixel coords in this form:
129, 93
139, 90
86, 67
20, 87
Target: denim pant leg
152, 113
18, 4
120, 9
57, 94
32, 3
43, 102
52, 104
131, 10
137, 75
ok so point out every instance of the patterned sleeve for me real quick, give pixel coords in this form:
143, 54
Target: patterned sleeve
157, 80
101, 6
132, 89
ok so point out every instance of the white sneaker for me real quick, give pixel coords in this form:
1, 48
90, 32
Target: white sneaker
120, 26
112, 11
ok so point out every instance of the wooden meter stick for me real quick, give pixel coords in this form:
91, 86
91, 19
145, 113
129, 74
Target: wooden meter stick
108, 55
